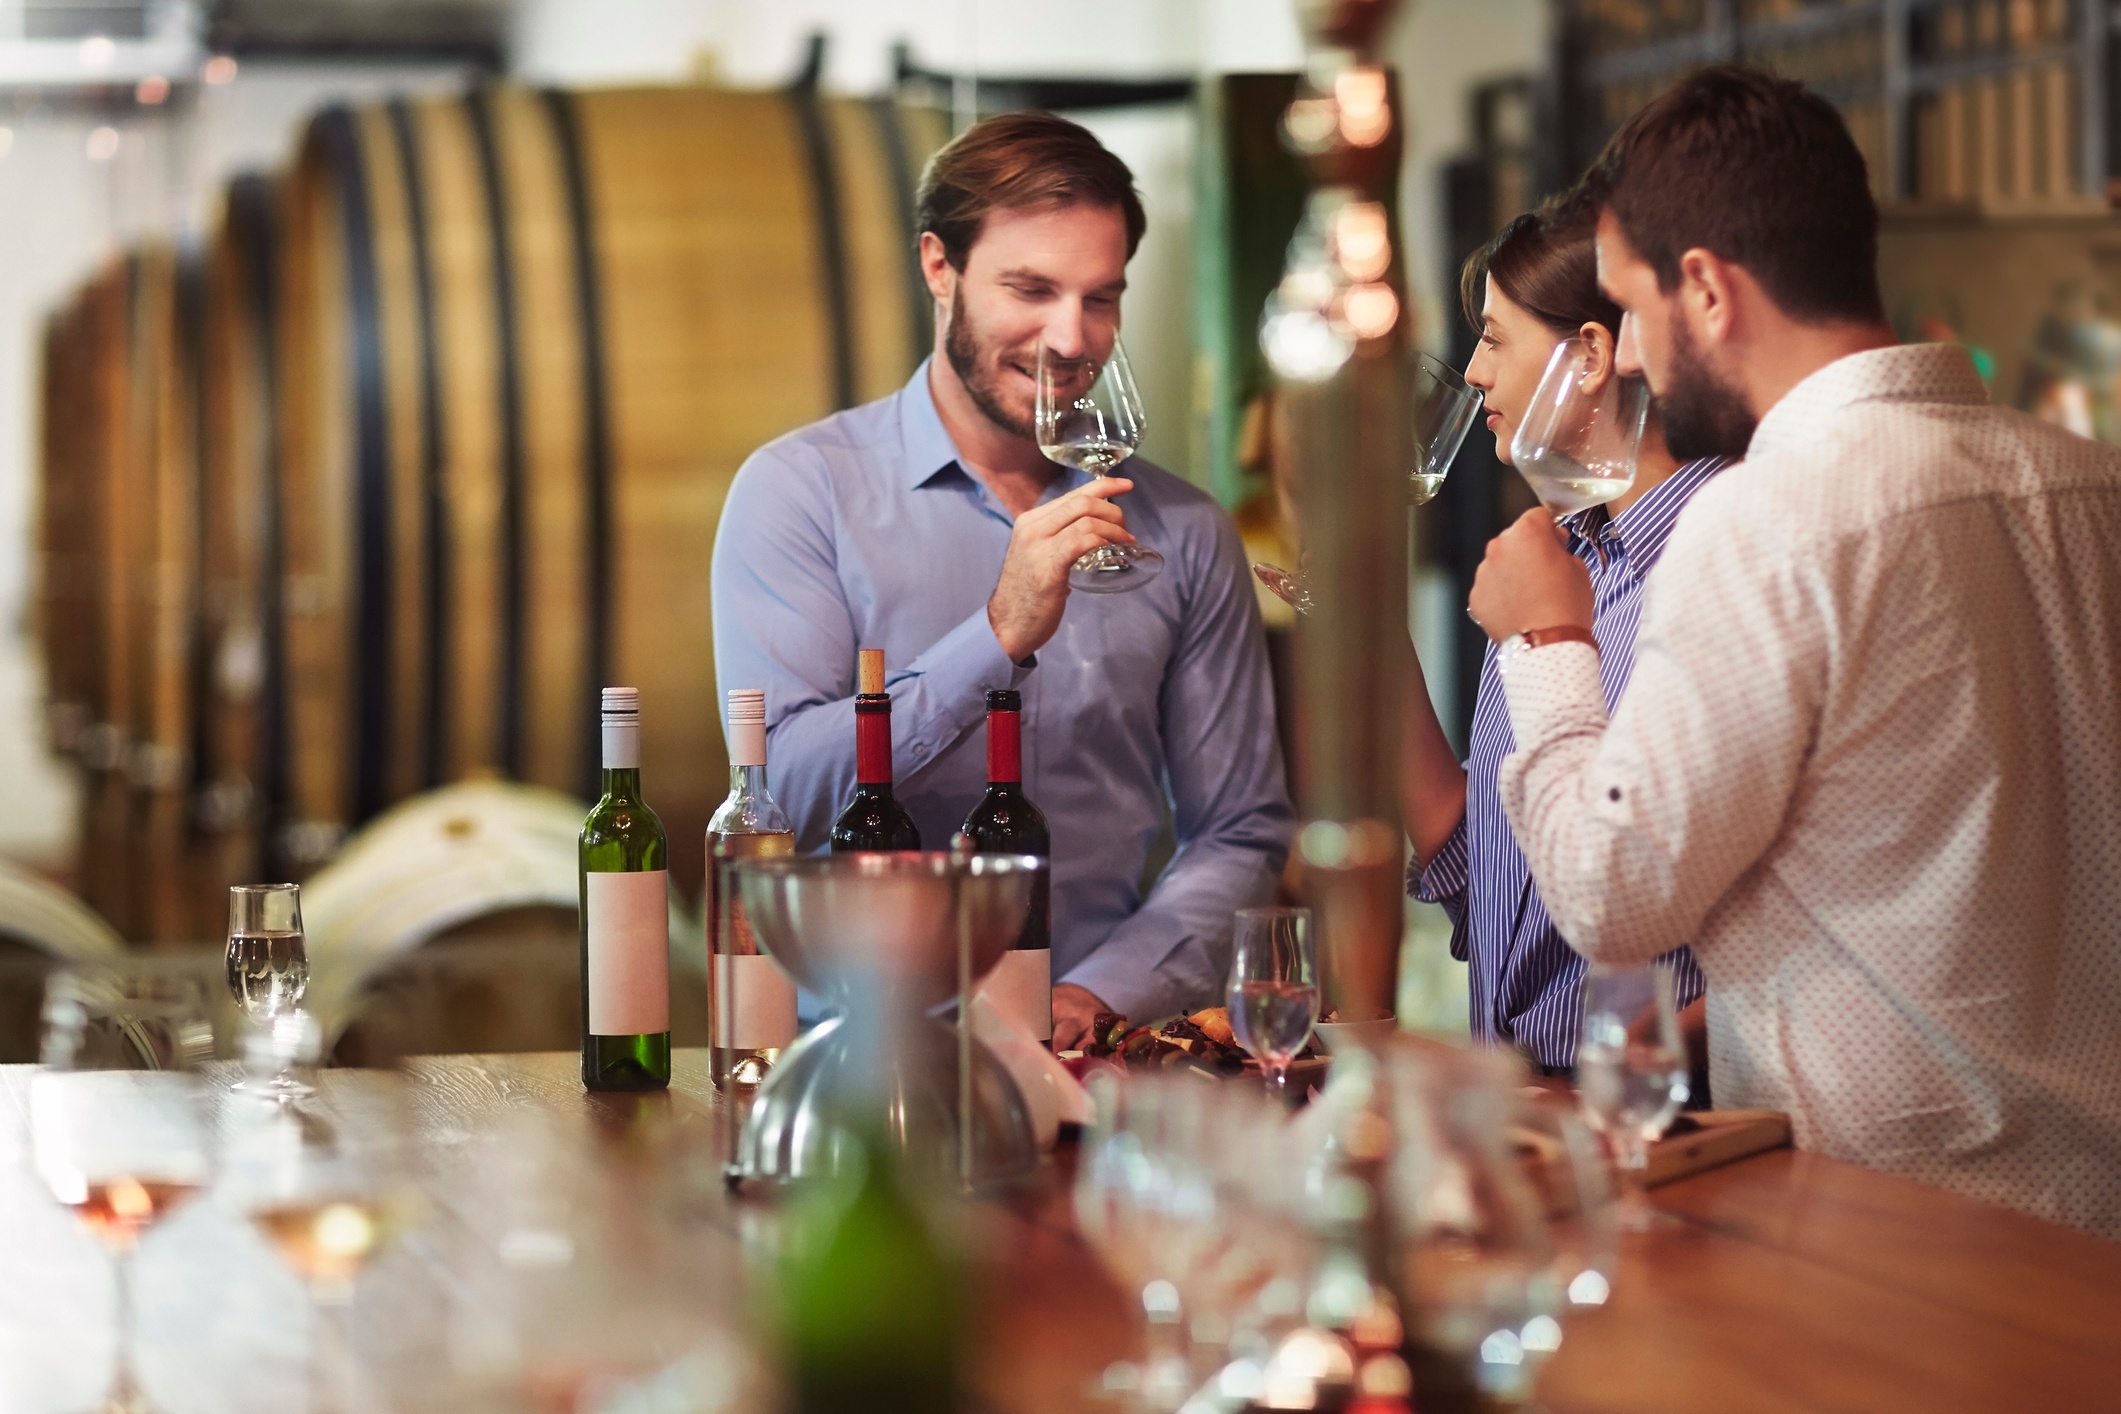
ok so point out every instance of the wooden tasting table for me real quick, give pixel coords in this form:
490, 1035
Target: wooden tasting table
1788, 1282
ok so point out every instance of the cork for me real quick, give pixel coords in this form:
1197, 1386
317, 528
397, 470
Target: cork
872, 671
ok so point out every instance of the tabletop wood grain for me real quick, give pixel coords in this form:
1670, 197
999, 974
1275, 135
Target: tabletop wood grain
1784, 1282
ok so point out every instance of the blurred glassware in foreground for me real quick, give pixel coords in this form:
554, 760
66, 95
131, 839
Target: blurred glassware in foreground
1577, 444
116, 1131
328, 1183
1631, 1071
268, 968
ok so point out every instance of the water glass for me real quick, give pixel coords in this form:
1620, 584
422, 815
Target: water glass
1273, 992
1631, 1070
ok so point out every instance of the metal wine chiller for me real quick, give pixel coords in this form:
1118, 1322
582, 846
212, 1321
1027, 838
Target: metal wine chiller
888, 938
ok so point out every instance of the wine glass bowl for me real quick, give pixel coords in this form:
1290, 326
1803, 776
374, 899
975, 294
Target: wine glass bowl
1088, 415
115, 1127
1631, 1069
1273, 990
1444, 410
1578, 442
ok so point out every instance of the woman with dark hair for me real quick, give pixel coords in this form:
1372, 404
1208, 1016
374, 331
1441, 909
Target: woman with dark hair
1535, 285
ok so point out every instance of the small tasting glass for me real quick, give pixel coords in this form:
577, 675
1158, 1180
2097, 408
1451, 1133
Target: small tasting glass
1631, 1071
268, 973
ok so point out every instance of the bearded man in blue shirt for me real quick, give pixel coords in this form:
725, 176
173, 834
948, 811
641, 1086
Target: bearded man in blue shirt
928, 524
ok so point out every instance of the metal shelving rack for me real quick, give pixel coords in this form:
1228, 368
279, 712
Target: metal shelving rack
1989, 105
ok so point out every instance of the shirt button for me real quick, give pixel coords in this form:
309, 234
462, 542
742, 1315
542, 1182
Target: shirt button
1613, 794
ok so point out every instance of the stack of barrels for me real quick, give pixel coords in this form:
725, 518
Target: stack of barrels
427, 445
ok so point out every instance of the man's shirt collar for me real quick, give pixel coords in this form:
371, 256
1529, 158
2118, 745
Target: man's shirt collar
1923, 373
928, 449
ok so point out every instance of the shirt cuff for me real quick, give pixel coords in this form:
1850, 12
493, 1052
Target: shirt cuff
1119, 979
1551, 689
1444, 877
956, 673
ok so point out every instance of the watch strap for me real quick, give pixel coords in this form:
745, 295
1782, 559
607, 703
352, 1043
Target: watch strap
1563, 633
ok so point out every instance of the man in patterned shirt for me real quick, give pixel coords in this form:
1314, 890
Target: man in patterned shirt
1869, 763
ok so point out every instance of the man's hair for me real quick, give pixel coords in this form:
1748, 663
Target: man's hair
1755, 169
1546, 263
1015, 161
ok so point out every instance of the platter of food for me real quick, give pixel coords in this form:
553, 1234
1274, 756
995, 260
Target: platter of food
1203, 1042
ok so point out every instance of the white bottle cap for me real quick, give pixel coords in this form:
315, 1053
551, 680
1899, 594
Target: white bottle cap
622, 728
747, 726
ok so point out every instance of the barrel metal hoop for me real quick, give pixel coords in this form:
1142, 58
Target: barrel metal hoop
812, 123
373, 670
508, 705
892, 130
253, 209
596, 424
434, 588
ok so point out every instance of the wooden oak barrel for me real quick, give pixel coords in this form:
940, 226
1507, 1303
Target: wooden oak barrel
238, 770
448, 923
526, 340
119, 587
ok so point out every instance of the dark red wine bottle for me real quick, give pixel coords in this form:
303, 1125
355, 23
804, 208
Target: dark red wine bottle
1006, 822
873, 819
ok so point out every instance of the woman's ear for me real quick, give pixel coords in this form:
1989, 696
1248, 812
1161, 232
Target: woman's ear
1599, 340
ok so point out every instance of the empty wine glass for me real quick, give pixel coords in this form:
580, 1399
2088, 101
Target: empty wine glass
1444, 409
115, 1128
1273, 993
1578, 442
268, 968
329, 1185
1118, 1184
1089, 416
1631, 1070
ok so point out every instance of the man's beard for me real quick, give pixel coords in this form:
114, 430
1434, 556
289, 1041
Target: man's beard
981, 375
1702, 416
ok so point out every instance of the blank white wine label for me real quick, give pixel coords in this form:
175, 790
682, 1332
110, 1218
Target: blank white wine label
629, 953
754, 1003
1021, 988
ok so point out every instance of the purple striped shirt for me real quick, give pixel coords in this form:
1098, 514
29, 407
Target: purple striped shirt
1524, 980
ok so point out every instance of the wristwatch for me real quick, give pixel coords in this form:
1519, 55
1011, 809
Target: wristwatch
1532, 638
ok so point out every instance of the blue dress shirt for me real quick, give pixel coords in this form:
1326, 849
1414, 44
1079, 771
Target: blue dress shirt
864, 531
1524, 981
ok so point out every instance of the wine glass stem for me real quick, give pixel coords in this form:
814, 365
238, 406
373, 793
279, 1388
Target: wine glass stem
1634, 1193
124, 1382
325, 1349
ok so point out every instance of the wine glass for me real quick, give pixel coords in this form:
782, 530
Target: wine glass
1089, 416
1578, 442
268, 968
115, 1128
1273, 993
1117, 1186
328, 1184
1444, 409
1631, 1070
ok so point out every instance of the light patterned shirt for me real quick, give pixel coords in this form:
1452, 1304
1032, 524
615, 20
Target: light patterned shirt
1870, 765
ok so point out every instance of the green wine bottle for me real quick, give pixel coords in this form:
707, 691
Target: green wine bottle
625, 919
869, 1301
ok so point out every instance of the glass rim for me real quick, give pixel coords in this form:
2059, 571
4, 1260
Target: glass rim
262, 888
1455, 378
1274, 910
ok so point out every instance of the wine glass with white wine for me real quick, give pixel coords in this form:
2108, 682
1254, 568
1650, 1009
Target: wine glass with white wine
1578, 442
1444, 409
1089, 416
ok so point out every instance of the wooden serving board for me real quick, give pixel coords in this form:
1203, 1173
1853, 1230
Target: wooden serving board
1711, 1138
